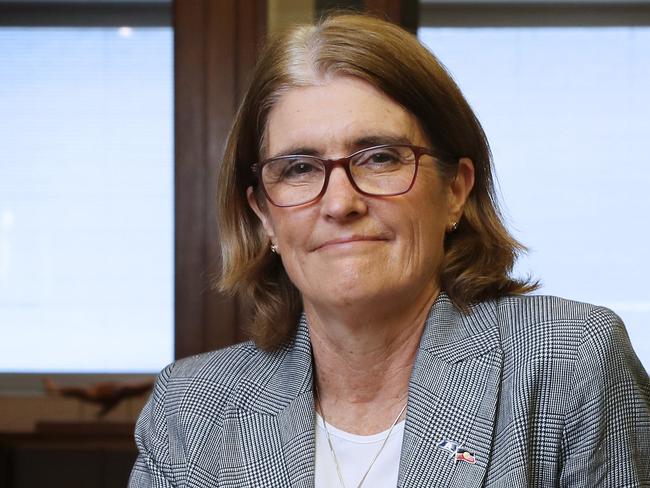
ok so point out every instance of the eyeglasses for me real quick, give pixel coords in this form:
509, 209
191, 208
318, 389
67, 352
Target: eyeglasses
295, 179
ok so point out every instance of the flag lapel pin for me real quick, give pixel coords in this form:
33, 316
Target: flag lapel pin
457, 452
465, 456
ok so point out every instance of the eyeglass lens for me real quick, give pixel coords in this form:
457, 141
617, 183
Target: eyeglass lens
294, 180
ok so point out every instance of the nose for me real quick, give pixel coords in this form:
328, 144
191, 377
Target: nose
341, 201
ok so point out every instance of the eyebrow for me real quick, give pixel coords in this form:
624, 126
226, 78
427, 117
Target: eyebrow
355, 145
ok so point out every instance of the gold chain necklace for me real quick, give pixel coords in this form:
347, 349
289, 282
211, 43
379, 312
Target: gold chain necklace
381, 448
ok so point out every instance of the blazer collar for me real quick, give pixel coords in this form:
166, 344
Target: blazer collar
449, 335
279, 377
297, 420
453, 394
275, 399
454, 336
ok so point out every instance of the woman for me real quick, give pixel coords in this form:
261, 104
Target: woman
390, 346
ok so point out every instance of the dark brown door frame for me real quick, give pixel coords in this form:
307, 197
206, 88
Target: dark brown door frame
215, 48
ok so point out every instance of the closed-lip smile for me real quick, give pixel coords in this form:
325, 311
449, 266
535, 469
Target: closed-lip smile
348, 239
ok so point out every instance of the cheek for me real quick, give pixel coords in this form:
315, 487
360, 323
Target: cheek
428, 242
429, 225
292, 229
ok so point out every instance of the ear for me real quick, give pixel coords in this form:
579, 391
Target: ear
261, 214
459, 189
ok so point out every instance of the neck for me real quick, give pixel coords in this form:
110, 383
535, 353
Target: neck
363, 363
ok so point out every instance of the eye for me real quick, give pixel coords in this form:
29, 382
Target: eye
292, 169
383, 157
380, 158
298, 168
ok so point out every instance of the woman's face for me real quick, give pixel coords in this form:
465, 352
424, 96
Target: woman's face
348, 249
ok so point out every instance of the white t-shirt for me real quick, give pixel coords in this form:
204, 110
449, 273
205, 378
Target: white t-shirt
355, 453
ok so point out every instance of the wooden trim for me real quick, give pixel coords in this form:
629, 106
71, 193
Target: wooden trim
215, 49
391, 9
189, 175
534, 14
402, 12
85, 14
324, 6
220, 314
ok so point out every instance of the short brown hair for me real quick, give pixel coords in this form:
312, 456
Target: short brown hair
479, 255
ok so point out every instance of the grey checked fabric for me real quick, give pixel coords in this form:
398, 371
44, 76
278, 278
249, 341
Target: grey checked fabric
544, 392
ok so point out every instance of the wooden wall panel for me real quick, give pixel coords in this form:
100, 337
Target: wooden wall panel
216, 45
189, 174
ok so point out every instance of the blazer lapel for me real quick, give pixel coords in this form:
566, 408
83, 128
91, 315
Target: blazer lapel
453, 394
298, 419
275, 421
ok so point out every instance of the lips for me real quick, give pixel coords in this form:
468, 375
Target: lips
348, 240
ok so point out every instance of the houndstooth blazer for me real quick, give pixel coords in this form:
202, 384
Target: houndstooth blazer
541, 391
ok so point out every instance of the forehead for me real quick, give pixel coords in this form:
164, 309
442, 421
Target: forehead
330, 118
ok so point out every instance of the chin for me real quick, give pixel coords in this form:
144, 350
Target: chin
353, 293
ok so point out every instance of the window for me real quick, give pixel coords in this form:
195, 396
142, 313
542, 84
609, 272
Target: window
86, 199
565, 110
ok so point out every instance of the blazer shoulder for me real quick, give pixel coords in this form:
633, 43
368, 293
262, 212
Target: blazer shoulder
540, 325
225, 365
218, 374
524, 311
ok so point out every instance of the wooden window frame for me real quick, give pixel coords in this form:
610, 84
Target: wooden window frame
216, 46
533, 13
